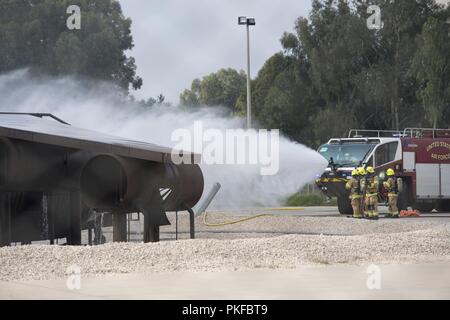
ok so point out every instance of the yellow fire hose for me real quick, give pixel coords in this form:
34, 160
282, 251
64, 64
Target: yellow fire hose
221, 224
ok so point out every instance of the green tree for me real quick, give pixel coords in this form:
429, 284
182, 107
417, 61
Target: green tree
342, 74
262, 84
316, 76
334, 73
34, 34
339, 50
431, 68
395, 48
221, 88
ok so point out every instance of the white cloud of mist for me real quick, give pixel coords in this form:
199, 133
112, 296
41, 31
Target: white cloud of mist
97, 106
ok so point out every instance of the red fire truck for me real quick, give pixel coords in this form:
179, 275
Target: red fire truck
419, 156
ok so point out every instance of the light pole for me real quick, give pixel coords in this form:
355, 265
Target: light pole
248, 22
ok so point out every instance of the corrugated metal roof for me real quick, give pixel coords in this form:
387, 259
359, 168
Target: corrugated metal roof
42, 130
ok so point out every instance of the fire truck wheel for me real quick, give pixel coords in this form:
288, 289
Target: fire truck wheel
424, 207
443, 206
344, 206
402, 202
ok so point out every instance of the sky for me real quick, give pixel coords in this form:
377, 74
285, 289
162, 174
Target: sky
177, 41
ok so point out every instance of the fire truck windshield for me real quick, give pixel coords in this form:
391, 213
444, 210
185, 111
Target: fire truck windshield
346, 155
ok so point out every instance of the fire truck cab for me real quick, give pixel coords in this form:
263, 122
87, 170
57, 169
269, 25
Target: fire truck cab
419, 156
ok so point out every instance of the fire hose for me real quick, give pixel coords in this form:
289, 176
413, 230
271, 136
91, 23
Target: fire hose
210, 197
221, 224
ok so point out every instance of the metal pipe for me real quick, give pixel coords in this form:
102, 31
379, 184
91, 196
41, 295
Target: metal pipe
108, 181
205, 204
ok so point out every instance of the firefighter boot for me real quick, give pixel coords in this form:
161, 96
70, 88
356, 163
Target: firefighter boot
374, 209
366, 208
356, 205
368, 213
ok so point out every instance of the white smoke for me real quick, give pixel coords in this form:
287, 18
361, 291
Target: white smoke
98, 106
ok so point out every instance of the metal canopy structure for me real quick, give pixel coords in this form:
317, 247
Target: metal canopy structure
36, 128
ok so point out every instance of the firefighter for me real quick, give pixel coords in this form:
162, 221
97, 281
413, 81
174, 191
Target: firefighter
355, 194
392, 188
362, 184
371, 194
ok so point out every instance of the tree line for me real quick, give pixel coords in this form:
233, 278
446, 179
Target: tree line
34, 34
334, 73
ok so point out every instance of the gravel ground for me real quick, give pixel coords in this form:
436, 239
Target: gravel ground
238, 247
279, 224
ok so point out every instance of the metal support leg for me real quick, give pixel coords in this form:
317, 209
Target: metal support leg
51, 216
90, 236
99, 238
5, 219
129, 216
151, 231
176, 225
191, 222
119, 227
74, 237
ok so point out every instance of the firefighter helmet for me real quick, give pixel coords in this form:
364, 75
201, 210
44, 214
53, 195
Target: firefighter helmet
370, 170
354, 172
390, 172
362, 171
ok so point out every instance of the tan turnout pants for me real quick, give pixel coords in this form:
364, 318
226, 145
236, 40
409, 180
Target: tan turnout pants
392, 201
371, 205
356, 205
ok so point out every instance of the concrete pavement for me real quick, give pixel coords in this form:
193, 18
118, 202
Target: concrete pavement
418, 281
